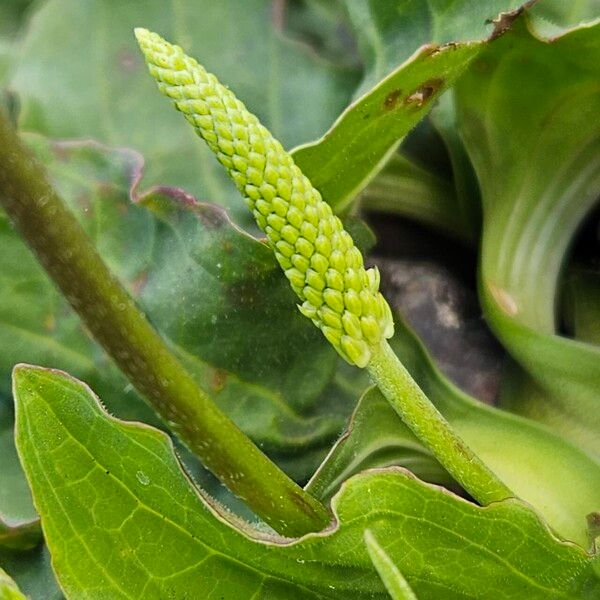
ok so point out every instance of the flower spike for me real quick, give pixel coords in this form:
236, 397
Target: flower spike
318, 256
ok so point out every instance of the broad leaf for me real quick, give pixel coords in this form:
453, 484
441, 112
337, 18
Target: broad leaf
401, 84
527, 112
101, 484
361, 140
100, 89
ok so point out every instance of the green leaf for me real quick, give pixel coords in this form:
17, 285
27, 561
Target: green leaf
8, 588
413, 52
555, 477
552, 17
32, 572
403, 187
342, 162
527, 112
19, 523
389, 32
374, 438
100, 89
36, 322
123, 521
11, 20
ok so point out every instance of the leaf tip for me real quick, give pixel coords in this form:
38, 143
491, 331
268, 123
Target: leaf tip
23, 373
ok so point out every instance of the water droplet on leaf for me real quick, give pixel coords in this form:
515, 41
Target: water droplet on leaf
142, 478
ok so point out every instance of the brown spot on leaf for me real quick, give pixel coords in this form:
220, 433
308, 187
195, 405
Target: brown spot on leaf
503, 22
424, 92
391, 100
435, 50
218, 380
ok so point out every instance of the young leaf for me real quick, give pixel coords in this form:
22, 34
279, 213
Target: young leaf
527, 112
102, 485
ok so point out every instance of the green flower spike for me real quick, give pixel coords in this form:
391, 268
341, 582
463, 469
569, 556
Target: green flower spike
318, 256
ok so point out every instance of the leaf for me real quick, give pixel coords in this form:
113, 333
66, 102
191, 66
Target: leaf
400, 87
388, 32
374, 438
19, 523
36, 323
8, 588
410, 190
559, 480
11, 20
552, 17
527, 112
100, 88
393, 580
32, 572
342, 162
101, 484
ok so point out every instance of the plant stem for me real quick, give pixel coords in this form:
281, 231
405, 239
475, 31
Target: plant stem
428, 424
115, 321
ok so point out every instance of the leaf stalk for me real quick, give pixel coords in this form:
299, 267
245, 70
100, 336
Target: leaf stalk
431, 428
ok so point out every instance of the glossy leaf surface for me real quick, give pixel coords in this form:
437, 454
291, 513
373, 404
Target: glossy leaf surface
101, 484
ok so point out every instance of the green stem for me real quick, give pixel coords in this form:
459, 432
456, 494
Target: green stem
114, 320
427, 423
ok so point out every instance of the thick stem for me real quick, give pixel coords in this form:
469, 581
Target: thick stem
115, 321
426, 422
